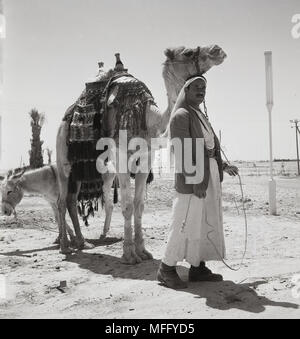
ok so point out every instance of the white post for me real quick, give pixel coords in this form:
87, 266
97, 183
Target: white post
2, 37
270, 103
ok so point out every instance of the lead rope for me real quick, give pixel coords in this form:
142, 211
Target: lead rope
246, 235
244, 212
187, 213
208, 234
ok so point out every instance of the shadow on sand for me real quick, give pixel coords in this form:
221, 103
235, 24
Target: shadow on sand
28, 253
54, 247
223, 295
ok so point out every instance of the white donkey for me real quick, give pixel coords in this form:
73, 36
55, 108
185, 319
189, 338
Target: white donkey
44, 181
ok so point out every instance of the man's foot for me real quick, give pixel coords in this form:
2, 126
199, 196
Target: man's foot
168, 276
202, 273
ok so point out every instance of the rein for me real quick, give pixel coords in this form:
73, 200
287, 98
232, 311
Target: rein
195, 60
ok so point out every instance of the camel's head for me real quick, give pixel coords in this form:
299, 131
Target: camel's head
184, 62
12, 192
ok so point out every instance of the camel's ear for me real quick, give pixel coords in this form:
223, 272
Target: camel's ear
170, 54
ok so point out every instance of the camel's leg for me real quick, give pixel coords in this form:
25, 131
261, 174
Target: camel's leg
108, 179
72, 209
64, 169
129, 255
69, 230
71, 235
55, 212
62, 208
140, 189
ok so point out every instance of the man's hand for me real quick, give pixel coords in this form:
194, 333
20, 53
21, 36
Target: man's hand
231, 170
199, 192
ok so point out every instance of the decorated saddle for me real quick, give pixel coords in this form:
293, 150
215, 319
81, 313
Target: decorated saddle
86, 126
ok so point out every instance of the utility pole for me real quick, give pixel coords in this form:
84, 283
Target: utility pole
296, 122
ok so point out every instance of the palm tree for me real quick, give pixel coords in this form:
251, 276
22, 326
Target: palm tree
36, 154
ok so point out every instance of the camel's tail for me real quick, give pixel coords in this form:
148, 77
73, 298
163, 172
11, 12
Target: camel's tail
115, 185
116, 195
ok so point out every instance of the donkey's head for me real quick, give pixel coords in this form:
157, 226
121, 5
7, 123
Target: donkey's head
12, 192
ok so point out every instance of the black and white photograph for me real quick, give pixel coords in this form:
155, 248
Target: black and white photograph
149, 162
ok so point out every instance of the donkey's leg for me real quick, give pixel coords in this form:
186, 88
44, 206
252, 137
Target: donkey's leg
108, 179
72, 209
140, 189
129, 255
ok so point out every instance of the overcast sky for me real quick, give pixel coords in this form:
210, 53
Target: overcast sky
52, 48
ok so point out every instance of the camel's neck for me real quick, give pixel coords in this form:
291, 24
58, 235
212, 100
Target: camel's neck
36, 181
166, 117
173, 84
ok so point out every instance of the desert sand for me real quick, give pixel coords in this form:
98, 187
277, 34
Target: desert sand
98, 285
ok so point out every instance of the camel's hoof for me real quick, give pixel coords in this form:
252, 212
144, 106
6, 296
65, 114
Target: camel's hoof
73, 243
144, 254
130, 257
131, 260
141, 251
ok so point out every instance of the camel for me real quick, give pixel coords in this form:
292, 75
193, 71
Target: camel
180, 63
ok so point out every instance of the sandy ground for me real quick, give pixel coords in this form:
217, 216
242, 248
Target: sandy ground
100, 286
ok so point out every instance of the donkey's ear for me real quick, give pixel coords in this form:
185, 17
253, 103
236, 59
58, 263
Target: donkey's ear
19, 175
9, 173
1, 178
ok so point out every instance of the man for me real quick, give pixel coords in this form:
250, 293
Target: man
196, 233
